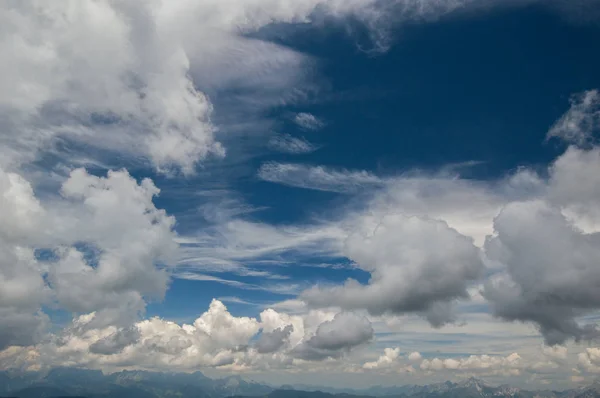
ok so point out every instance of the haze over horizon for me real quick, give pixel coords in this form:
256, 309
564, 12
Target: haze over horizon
330, 192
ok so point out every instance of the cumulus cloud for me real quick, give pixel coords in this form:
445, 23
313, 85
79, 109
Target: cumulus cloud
416, 265
100, 243
22, 287
273, 341
308, 121
556, 352
66, 78
551, 273
116, 342
335, 337
509, 365
131, 92
589, 360
574, 186
212, 340
579, 124
117, 216
388, 357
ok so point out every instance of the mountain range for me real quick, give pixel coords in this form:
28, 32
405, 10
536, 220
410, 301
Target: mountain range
70, 382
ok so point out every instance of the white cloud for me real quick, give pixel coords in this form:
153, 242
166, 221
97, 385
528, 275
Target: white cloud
290, 144
388, 357
575, 186
556, 352
65, 77
102, 240
130, 91
589, 360
416, 265
509, 365
308, 121
578, 125
318, 177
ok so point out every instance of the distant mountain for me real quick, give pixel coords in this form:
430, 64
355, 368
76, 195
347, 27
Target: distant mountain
73, 383
130, 384
470, 388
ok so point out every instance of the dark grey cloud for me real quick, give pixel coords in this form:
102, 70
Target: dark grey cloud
336, 337
116, 342
273, 341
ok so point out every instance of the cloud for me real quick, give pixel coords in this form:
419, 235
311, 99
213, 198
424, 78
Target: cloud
116, 342
273, 341
556, 352
509, 365
416, 265
335, 337
136, 92
67, 79
308, 121
102, 238
388, 357
578, 125
539, 246
277, 288
574, 186
589, 360
318, 177
115, 215
289, 144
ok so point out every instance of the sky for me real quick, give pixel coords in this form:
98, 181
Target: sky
332, 192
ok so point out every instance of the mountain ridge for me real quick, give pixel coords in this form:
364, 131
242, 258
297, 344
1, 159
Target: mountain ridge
74, 382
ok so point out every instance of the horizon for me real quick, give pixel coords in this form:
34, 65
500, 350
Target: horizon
366, 192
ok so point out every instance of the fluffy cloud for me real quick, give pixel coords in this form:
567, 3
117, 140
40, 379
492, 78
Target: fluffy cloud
552, 271
116, 342
94, 248
273, 341
214, 339
487, 363
575, 186
130, 91
416, 265
124, 235
589, 360
388, 357
66, 78
556, 352
335, 337
22, 287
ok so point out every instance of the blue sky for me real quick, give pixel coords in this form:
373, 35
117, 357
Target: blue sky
412, 185
444, 94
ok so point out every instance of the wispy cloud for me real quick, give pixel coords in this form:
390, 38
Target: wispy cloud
318, 177
289, 144
579, 124
289, 289
308, 121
